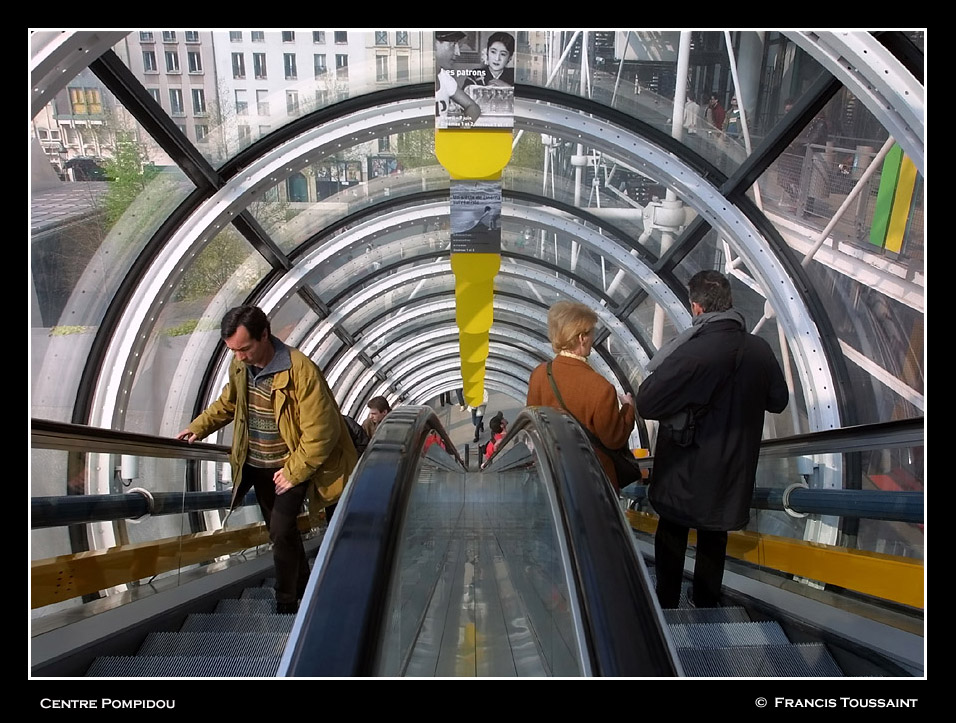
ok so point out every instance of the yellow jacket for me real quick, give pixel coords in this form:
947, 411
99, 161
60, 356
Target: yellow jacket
309, 421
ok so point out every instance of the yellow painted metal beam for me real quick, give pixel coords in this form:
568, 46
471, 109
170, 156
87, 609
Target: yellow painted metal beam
55, 579
888, 577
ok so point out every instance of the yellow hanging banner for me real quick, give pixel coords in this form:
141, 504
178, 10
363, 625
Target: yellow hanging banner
474, 117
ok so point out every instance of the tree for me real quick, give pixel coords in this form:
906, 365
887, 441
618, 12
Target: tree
128, 172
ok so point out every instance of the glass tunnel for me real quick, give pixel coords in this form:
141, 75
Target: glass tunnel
177, 174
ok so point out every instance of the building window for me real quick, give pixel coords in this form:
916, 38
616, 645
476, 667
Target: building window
262, 102
383, 144
242, 103
194, 61
297, 188
202, 132
85, 101
341, 37
288, 60
321, 98
155, 93
176, 102
169, 36
401, 68
381, 68
146, 37
199, 101
172, 61
318, 61
292, 102
259, 66
264, 130
318, 36
288, 36
381, 37
192, 36
235, 36
238, 66
244, 133
149, 61
342, 66
258, 36
401, 37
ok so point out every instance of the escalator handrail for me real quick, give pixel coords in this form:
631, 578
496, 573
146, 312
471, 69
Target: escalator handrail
886, 505
340, 624
620, 613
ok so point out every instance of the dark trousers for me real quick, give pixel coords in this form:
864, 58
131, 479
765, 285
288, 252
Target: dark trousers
280, 513
670, 547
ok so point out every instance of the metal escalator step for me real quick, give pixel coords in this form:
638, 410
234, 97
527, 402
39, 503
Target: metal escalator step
184, 666
220, 643
707, 615
246, 606
213, 622
721, 635
258, 593
804, 660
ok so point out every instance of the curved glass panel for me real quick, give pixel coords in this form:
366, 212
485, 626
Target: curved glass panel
185, 334
86, 234
636, 72
227, 89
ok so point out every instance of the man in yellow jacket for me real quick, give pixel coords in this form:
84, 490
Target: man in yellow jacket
288, 438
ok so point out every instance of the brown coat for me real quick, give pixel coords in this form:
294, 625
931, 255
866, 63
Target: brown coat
590, 398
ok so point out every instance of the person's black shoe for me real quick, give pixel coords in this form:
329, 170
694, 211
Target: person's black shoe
287, 608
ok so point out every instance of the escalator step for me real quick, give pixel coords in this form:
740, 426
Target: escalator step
184, 667
720, 635
707, 615
258, 593
246, 606
213, 622
222, 644
805, 660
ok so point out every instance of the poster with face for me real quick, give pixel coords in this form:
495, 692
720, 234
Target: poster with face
474, 87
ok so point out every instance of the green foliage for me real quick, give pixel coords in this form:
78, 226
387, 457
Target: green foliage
529, 153
187, 327
213, 267
128, 173
416, 149
67, 330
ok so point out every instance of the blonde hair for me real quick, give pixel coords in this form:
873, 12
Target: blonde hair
566, 321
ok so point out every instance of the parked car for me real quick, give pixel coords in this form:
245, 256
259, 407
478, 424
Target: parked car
86, 169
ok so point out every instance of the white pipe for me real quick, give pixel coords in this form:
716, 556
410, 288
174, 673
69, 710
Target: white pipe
854, 192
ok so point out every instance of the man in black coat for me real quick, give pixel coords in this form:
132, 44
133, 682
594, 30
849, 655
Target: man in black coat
728, 378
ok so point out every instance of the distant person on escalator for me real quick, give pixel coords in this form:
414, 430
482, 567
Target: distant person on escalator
704, 474
378, 407
589, 396
499, 428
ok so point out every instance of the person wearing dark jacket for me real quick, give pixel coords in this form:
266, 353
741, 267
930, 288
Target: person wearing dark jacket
729, 378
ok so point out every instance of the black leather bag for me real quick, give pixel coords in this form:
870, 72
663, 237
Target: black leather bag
626, 466
681, 427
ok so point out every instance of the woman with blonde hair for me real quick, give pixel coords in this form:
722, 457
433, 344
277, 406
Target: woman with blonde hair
585, 394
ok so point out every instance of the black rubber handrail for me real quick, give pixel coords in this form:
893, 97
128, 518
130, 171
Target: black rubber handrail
622, 622
343, 617
622, 626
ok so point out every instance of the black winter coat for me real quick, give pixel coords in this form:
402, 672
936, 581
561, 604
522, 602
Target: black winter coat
709, 485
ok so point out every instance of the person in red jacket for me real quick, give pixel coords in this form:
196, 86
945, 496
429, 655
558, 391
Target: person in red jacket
499, 428
714, 112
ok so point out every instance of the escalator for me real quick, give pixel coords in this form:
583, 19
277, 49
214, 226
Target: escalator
526, 569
